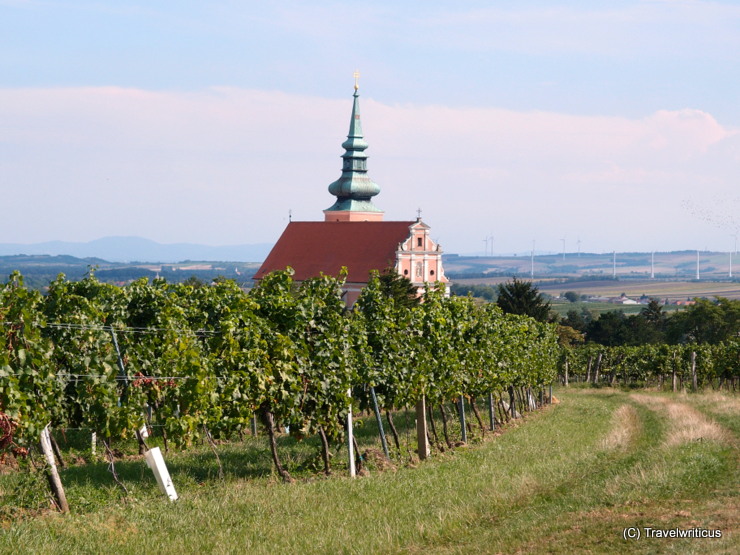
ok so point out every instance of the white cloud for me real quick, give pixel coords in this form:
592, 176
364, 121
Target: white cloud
224, 165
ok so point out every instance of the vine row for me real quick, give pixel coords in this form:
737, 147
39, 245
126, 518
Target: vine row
202, 361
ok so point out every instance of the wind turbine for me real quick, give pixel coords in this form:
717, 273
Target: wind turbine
698, 277
614, 264
730, 273
531, 272
563, 240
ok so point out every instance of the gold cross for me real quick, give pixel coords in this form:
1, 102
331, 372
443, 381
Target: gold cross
356, 75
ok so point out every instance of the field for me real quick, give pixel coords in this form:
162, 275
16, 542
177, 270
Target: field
563, 307
568, 478
670, 290
634, 288
681, 265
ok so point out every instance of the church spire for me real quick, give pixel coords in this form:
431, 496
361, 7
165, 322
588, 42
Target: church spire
354, 189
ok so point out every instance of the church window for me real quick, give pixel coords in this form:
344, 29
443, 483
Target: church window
419, 241
431, 273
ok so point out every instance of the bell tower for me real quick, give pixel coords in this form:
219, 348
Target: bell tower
354, 189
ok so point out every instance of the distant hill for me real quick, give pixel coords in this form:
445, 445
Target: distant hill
131, 249
39, 270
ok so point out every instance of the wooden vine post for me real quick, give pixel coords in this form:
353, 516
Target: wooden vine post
463, 425
380, 423
421, 429
512, 401
51, 471
491, 417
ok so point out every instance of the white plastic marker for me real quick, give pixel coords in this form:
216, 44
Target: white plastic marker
155, 461
350, 438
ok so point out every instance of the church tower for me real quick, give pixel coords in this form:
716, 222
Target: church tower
354, 235
354, 189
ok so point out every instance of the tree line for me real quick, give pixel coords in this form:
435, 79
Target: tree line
703, 322
691, 348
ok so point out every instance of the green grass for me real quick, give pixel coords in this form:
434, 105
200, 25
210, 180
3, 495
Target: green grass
547, 484
562, 308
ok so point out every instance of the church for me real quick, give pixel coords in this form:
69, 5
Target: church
353, 233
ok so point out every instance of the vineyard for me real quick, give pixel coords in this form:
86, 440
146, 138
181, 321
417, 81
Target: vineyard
675, 367
207, 362
194, 363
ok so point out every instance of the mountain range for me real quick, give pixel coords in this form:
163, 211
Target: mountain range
137, 249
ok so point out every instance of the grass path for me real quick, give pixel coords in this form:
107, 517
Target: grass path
568, 479
642, 478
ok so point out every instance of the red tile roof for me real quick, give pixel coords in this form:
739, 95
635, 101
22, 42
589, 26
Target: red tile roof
311, 248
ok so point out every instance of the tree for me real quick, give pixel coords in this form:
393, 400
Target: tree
639, 330
572, 296
574, 319
486, 292
706, 322
609, 329
399, 288
615, 328
195, 282
522, 297
653, 313
568, 336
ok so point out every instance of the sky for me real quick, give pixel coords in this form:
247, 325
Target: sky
590, 125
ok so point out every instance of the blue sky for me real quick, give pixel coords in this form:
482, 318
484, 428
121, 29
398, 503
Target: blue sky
613, 123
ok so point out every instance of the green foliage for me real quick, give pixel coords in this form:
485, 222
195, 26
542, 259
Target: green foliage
486, 292
522, 297
399, 288
388, 345
578, 320
656, 364
192, 358
30, 389
705, 321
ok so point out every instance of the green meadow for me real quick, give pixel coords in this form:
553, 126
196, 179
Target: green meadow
570, 477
